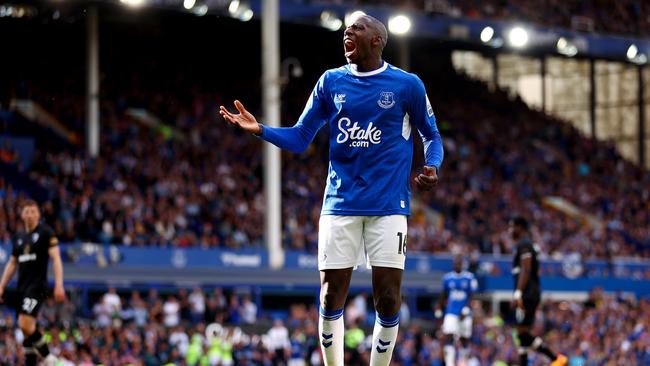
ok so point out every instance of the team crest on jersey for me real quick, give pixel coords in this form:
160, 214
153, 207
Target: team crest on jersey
386, 100
35, 237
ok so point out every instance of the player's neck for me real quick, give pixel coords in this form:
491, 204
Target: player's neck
29, 228
369, 64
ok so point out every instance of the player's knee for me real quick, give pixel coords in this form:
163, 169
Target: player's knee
387, 303
27, 325
331, 299
525, 339
28, 331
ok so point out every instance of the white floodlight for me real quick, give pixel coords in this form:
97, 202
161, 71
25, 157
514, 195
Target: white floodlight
188, 4
487, 34
518, 37
632, 52
566, 47
133, 3
399, 24
200, 10
330, 21
246, 15
233, 7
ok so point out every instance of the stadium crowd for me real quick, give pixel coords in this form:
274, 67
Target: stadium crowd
197, 182
213, 327
193, 181
619, 17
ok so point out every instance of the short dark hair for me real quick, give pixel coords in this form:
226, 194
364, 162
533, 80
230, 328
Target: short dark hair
28, 203
520, 221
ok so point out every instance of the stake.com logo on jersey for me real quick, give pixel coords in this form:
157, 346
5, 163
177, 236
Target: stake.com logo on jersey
357, 136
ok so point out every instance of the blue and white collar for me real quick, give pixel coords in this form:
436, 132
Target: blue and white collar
353, 70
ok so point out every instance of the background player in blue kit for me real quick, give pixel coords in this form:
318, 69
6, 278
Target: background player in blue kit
370, 107
458, 287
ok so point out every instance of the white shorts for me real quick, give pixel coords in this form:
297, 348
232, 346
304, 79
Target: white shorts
454, 326
349, 241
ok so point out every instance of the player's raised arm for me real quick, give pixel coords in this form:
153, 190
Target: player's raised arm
295, 138
422, 116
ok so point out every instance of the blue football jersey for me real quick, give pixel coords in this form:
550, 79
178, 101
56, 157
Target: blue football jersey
459, 288
370, 115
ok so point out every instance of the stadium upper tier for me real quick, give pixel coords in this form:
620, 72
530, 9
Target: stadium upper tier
197, 182
630, 17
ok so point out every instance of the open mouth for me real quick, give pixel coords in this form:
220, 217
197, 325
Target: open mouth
349, 47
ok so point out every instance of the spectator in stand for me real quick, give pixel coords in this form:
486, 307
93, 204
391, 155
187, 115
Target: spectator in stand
140, 312
102, 314
8, 154
197, 305
171, 312
112, 300
179, 340
357, 310
279, 343
248, 310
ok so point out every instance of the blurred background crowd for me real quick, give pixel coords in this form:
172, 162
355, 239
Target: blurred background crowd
216, 327
197, 182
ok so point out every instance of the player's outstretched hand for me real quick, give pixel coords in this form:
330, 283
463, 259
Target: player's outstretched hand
59, 294
243, 120
428, 179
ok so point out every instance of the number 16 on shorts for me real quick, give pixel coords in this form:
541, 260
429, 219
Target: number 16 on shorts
401, 246
385, 239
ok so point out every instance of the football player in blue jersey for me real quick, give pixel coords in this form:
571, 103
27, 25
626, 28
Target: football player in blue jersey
370, 107
458, 287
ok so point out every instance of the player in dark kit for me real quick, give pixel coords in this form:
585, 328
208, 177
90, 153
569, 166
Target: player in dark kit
32, 249
527, 295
